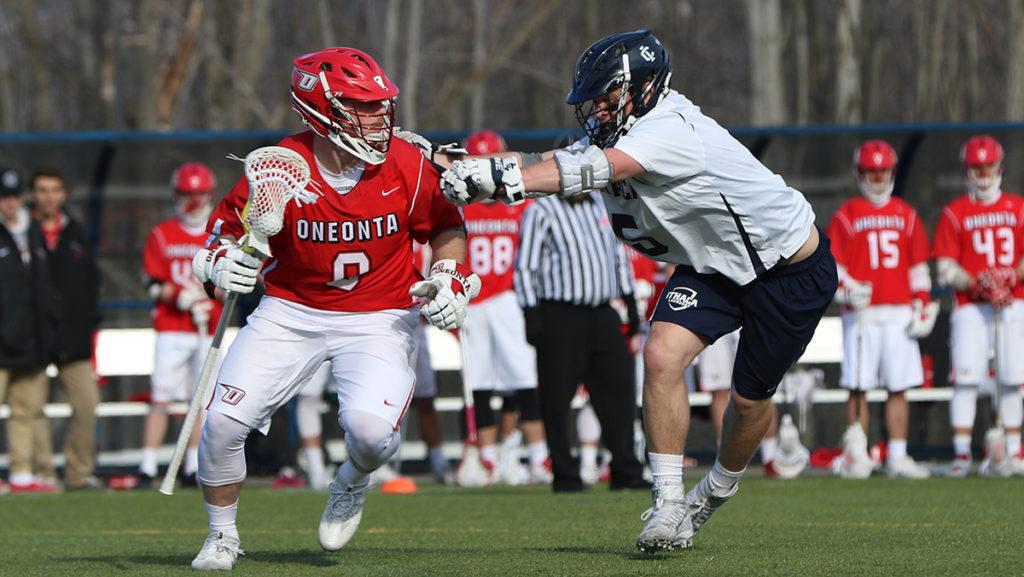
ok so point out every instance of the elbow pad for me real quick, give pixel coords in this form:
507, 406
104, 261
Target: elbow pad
585, 171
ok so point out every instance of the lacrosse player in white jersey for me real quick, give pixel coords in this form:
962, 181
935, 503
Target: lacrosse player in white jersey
679, 189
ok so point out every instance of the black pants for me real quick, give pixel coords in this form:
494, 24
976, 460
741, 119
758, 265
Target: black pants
577, 345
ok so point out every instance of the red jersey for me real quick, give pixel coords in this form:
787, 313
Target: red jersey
350, 252
879, 245
168, 258
645, 270
982, 236
492, 240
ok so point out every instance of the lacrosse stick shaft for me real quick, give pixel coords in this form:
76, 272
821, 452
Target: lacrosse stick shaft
167, 485
860, 362
997, 395
467, 390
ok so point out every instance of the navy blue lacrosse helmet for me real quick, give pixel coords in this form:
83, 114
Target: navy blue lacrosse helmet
637, 61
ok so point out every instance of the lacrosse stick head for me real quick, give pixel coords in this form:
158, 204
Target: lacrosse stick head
276, 175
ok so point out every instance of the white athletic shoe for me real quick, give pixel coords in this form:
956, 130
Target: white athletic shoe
700, 504
854, 462
993, 468
667, 524
342, 514
511, 470
541, 475
906, 468
959, 467
589, 474
218, 553
1017, 466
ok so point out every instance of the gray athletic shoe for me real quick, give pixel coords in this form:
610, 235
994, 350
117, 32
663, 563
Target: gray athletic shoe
342, 514
700, 504
664, 521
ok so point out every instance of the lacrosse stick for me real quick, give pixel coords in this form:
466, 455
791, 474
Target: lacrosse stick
995, 437
276, 175
470, 472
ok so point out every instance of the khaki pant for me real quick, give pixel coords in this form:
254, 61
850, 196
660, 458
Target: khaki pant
26, 391
76, 380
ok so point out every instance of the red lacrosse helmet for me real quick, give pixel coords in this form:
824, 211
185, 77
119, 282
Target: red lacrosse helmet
193, 184
875, 163
484, 142
982, 158
343, 95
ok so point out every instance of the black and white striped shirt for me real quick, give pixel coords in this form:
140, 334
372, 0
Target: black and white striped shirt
568, 254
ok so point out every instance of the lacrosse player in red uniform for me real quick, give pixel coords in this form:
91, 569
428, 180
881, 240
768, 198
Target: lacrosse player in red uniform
978, 247
881, 252
341, 286
183, 315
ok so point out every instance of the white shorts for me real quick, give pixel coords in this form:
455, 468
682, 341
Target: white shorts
178, 360
500, 358
714, 363
879, 352
971, 337
284, 344
317, 384
426, 382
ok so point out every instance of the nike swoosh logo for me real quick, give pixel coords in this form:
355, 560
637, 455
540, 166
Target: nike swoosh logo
388, 403
387, 192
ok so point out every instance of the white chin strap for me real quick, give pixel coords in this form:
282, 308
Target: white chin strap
356, 147
877, 194
984, 190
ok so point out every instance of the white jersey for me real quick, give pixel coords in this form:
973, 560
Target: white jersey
705, 200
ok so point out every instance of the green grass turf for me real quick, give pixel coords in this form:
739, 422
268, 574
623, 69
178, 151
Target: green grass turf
810, 526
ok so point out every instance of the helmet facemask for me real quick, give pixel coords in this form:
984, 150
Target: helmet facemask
878, 191
984, 181
193, 209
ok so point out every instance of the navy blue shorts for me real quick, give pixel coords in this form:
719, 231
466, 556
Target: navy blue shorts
778, 312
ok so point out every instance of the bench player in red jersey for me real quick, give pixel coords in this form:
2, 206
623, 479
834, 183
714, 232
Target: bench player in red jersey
978, 246
183, 315
341, 286
881, 252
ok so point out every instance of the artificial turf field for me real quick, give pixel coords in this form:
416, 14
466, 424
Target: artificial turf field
809, 526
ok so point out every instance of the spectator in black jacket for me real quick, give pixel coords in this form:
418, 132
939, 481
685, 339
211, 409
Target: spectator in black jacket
26, 329
76, 292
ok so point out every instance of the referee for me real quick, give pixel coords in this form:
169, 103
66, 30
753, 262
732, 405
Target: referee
569, 266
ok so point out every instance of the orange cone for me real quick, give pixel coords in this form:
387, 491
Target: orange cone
399, 486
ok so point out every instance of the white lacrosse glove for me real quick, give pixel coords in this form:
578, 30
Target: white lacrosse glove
923, 320
189, 295
854, 294
228, 267
474, 179
445, 295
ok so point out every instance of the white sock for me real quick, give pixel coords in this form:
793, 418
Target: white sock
489, 453
962, 445
721, 481
349, 475
1013, 445
191, 464
148, 464
437, 461
538, 453
666, 469
314, 461
222, 519
588, 456
769, 448
897, 448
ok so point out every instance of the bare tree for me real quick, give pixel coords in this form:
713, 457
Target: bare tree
476, 102
849, 99
1015, 67
767, 97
